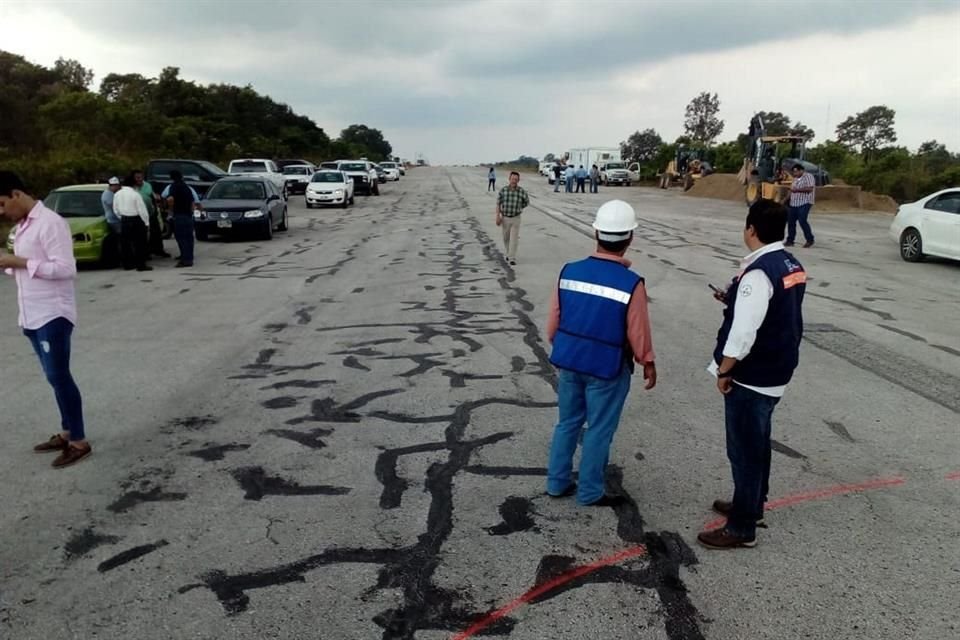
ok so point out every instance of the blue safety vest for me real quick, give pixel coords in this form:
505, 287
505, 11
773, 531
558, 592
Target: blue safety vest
592, 335
776, 351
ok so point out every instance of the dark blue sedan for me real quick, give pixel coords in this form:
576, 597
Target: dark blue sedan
236, 204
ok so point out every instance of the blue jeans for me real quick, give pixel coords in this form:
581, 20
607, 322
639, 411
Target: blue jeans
795, 215
51, 342
586, 399
183, 232
748, 417
556, 184
593, 185
569, 185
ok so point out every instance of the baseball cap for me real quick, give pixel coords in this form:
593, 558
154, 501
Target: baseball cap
114, 180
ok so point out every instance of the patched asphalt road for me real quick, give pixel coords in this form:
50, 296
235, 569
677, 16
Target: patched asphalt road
342, 434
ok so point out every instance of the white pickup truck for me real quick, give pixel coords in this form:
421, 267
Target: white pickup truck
615, 173
260, 167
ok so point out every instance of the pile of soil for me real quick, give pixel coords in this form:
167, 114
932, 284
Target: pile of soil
833, 198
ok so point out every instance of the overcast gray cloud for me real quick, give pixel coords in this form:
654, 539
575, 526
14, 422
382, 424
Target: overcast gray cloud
469, 81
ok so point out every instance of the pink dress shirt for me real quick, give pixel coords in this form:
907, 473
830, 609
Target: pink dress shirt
45, 288
638, 318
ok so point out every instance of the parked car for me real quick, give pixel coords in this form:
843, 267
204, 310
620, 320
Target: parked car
93, 240
614, 173
262, 168
238, 203
392, 169
363, 174
297, 177
329, 187
381, 174
198, 174
283, 164
333, 166
929, 227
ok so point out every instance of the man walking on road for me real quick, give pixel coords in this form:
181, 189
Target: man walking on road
599, 327
758, 348
802, 195
44, 268
150, 200
134, 220
181, 199
557, 170
106, 199
511, 202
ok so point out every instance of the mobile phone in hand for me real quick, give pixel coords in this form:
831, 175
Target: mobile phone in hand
716, 289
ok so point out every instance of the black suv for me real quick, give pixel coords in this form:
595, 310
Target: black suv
199, 174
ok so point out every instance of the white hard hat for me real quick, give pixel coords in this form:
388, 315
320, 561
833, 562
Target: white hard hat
615, 220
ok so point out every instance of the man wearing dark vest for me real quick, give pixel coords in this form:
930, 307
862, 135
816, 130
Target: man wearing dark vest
180, 199
757, 351
599, 327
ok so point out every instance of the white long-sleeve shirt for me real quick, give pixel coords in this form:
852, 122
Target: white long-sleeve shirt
128, 203
753, 299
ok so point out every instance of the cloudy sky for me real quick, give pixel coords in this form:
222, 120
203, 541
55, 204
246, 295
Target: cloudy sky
475, 80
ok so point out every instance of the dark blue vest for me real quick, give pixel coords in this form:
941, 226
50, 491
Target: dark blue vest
182, 199
776, 351
592, 336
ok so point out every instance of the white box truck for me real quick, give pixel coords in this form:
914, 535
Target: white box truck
589, 156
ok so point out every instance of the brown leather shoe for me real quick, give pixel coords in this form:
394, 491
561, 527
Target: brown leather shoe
55, 443
723, 539
807, 245
72, 455
725, 507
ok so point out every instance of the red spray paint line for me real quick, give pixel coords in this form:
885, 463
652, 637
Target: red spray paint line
818, 494
640, 550
953, 476
547, 587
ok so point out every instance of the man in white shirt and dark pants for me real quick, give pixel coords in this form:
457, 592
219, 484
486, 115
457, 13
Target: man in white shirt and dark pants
134, 221
757, 351
802, 195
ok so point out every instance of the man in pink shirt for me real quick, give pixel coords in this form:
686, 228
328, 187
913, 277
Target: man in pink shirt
44, 268
599, 327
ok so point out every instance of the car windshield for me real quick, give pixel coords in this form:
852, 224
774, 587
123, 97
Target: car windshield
328, 165
328, 176
236, 190
353, 166
248, 167
389, 165
296, 171
214, 169
76, 204
614, 165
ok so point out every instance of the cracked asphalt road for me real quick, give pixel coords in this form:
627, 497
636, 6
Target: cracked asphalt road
342, 434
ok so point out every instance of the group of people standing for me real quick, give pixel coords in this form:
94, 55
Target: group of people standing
576, 179
132, 210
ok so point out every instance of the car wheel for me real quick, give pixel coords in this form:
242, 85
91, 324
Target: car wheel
283, 223
309, 206
345, 203
352, 199
110, 252
911, 245
267, 233
376, 190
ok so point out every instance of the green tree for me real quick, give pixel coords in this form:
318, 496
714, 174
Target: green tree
700, 121
549, 158
641, 146
868, 130
73, 74
371, 140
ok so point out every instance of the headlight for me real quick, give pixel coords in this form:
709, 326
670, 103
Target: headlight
81, 237
254, 213
338, 192
365, 178
197, 214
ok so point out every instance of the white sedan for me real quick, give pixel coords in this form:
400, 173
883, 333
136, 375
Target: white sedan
929, 227
329, 187
392, 169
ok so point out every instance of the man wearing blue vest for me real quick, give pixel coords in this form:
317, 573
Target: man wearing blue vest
757, 350
599, 327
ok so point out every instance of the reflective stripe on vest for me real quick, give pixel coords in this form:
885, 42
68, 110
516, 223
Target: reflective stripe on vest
595, 290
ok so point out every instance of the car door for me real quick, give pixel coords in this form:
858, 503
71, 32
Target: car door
941, 225
634, 171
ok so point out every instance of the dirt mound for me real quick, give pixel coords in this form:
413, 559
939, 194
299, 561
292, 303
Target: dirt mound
833, 198
723, 186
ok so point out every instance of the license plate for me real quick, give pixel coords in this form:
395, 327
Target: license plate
224, 224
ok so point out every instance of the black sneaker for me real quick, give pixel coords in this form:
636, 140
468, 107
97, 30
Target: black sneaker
607, 501
725, 507
566, 493
788, 244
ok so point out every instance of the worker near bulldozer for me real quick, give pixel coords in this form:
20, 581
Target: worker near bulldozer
599, 327
802, 195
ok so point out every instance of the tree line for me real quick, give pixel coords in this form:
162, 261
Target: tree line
56, 130
864, 151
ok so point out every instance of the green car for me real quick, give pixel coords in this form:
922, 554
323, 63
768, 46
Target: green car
79, 205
